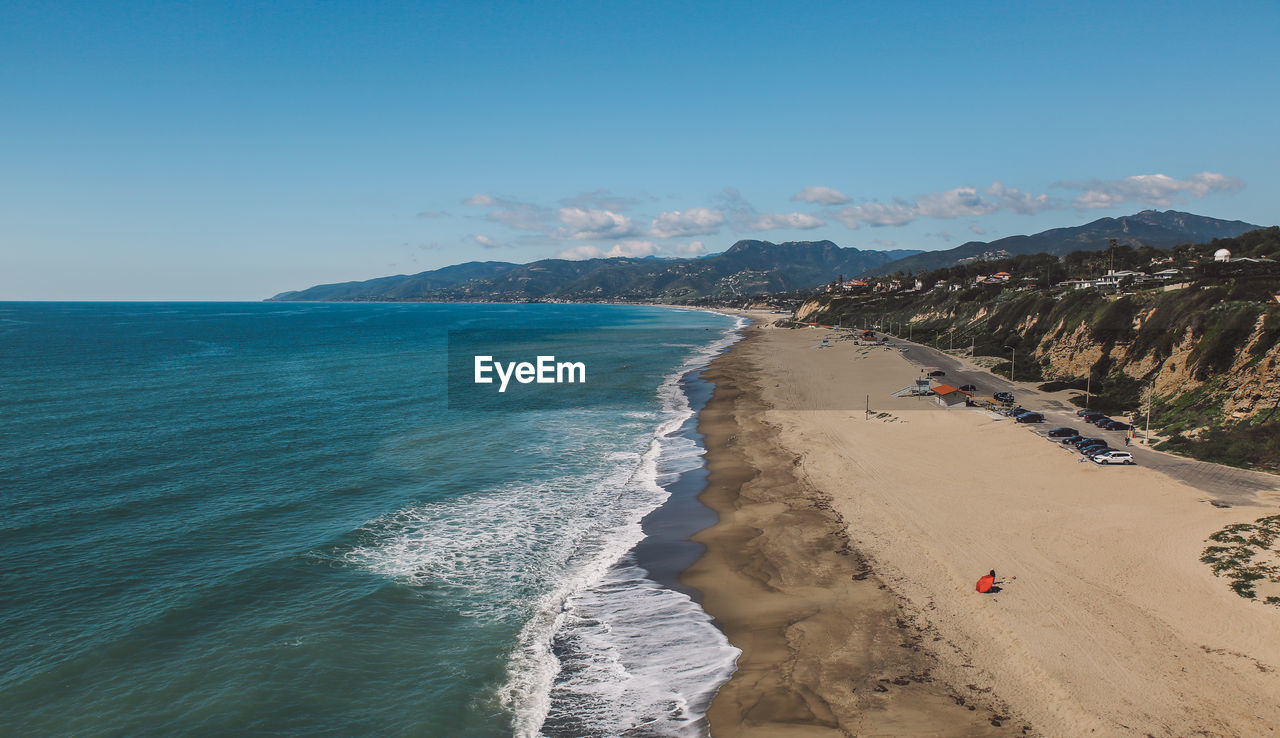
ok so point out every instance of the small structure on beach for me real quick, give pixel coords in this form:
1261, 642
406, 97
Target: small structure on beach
920, 389
947, 396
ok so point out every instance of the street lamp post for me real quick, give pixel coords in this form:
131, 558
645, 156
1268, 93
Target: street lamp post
1013, 360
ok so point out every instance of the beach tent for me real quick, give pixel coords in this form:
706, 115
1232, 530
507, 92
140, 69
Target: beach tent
986, 583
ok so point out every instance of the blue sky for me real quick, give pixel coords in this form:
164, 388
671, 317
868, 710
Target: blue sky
235, 150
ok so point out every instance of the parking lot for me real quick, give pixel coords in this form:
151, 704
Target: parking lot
1237, 487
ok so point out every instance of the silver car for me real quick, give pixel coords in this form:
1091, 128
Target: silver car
1114, 457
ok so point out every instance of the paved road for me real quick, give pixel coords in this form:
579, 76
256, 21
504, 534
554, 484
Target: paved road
1224, 484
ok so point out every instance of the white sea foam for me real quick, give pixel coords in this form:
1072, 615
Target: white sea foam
602, 649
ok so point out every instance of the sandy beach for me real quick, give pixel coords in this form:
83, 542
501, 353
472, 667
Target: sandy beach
845, 558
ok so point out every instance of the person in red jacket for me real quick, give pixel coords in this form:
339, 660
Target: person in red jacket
986, 583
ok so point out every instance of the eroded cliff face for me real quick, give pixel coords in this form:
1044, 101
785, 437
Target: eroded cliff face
1069, 350
808, 310
1254, 389
1071, 355
1251, 386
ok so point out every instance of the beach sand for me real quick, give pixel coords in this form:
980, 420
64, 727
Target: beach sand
845, 558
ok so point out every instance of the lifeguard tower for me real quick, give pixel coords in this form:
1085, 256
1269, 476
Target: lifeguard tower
920, 388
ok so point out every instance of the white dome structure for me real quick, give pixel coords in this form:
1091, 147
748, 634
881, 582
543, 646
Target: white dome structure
1222, 255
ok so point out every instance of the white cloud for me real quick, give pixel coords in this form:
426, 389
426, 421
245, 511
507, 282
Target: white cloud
776, 221
958, 202
877, 214
977, 229
821, 196
633, 248
1159, 190
485, 241
599, 200
693, 248
953, 203
583, 224
691, 222
522, 216
578, 253
1017, 201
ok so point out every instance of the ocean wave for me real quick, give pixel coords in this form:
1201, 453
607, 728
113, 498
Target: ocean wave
601, 648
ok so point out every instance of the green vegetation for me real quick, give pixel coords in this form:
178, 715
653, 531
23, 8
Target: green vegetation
1134, 331
1246, 554
1246, 445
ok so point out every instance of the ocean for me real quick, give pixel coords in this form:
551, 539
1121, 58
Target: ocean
279, 518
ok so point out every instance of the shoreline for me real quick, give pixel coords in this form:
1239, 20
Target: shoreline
826, 648
843, 564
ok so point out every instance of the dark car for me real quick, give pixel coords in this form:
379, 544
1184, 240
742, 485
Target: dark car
1100, 421
1030, 418
1085, 448
1062, 432
1016, 411
968, 388
1003, 397
1117, 425
1085, 413
937, 373
1093, 451
1086, 441
1072, 440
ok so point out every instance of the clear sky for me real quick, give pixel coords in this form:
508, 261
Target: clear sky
233, 150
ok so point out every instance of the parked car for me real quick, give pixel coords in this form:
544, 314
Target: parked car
1014, 412
1085, 441
1087, 448
1062, 432
1114, 457
1093, 451
1100, 421
1004, 397
1072, 439
937, 373
1086, 413
1029, 418
968, 388
1117, 425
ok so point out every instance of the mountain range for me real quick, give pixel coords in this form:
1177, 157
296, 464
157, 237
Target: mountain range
1147, 228
746, 268
749, 267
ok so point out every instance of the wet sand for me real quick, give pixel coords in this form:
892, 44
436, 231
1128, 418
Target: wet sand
845, 555
827, 649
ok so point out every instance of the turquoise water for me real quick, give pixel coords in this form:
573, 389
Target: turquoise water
267, 519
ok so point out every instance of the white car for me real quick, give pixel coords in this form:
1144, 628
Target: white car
1114, 457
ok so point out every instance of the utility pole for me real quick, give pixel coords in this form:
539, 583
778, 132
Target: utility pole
1088, 382
1013, 360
